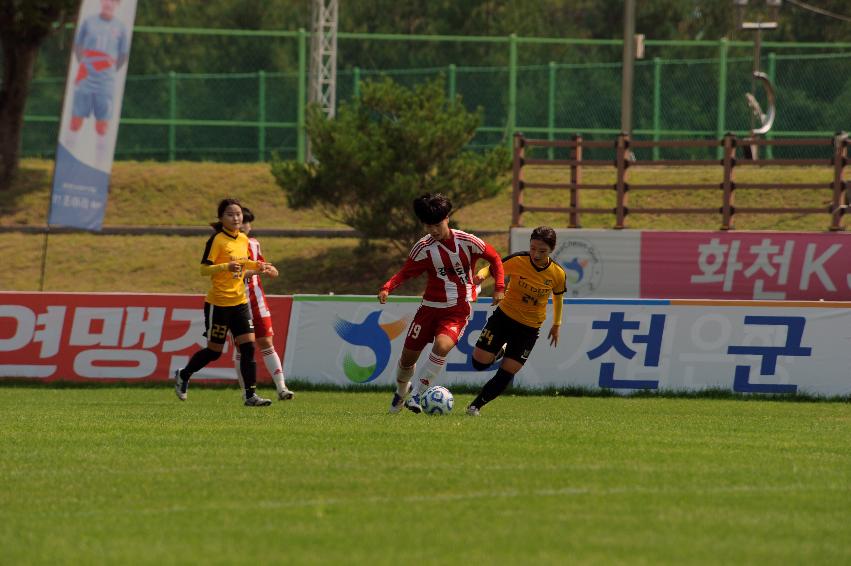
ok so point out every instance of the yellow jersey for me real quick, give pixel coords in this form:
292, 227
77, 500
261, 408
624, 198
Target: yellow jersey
227, 288
529, 289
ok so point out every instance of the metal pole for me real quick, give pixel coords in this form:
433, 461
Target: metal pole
512, 89
551, 108
452, 86
628, 65
301, 138
721, 118
172, 115
657, 104
772, 71
356, 84
261, 115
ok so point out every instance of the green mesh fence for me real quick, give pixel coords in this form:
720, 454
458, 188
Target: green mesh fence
200, 94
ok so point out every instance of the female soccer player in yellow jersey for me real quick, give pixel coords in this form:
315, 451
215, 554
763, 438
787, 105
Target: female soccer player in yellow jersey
514, 326
225, 260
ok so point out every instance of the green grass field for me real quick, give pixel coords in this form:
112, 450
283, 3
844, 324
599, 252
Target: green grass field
131, 475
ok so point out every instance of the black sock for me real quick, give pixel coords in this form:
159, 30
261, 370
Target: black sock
198, 360
493, 388
248, 368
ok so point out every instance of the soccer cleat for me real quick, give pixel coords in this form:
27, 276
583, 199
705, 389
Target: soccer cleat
413, 404
181, 386
257, 401
398, 401
473, 411
285, 395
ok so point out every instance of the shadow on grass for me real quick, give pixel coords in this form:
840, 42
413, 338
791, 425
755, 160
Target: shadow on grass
28, 180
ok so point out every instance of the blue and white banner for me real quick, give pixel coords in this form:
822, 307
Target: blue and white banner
618, 344
93, 94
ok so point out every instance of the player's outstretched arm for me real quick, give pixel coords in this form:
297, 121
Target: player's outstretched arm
497, 272
558, 306
554, 333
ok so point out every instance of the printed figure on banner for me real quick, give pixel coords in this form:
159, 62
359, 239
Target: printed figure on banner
613, 339
101, 46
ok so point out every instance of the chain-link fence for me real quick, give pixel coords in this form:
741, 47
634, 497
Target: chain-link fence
225, 95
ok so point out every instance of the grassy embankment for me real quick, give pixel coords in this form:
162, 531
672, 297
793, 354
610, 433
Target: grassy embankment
185, 194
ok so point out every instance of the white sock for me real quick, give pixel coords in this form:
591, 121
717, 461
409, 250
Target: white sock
431, 370
273, 365
403, 378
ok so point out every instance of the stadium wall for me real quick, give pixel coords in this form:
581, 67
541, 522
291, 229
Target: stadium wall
620, 344
702, 264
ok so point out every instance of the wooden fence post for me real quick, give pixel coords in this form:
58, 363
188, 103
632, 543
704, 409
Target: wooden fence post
621, 187
728, 185
576, 180
840, 194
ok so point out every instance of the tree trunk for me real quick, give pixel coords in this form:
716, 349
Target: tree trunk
18, 65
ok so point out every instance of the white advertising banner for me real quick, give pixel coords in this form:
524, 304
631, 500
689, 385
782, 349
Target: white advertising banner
598, 263
653, 264
618, 344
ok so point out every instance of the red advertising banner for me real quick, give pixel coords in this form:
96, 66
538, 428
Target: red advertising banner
113, 337
746, 265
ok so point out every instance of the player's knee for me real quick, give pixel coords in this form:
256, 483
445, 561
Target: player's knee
246, 350
481, 365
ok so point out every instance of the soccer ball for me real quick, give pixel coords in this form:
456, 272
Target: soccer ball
437, 400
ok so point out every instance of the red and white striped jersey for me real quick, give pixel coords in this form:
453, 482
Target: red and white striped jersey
450, 265
253, 286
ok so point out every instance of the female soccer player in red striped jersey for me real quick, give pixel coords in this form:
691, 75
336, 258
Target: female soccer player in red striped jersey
449, 258
260, 312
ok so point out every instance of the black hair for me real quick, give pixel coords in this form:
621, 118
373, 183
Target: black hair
223, 204
247, 215
546, 235
432, 208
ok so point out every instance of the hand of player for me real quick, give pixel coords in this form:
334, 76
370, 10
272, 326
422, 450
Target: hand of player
554, 332
234, 266
477, 280
497, 297
382, 296
268, 269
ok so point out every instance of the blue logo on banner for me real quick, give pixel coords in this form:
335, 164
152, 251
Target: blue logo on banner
79, 193
614, 340
769, 354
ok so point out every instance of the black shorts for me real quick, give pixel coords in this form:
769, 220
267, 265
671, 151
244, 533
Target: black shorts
502, 329
219, 320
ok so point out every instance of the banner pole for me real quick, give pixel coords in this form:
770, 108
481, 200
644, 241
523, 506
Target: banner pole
58, 137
